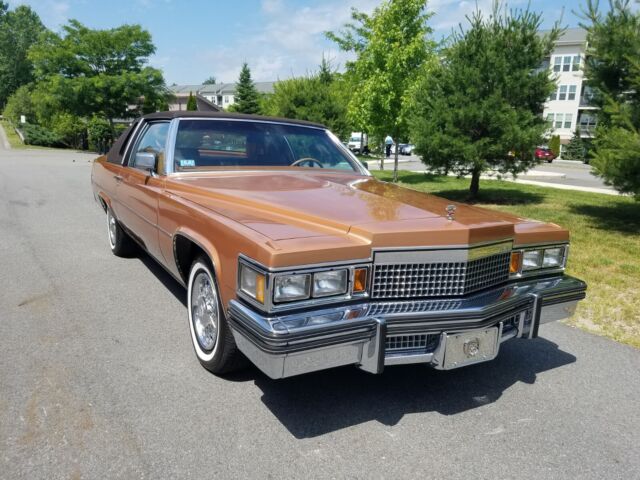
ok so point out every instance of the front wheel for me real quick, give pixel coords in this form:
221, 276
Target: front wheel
120, 242
211, 336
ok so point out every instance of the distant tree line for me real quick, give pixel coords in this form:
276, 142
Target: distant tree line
73, 87
471, 103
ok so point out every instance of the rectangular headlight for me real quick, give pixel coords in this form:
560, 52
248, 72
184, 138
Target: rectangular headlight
553, 257
329, 283
532, 260
252, 282
288, 288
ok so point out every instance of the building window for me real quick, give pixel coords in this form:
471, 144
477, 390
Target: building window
587, 123
226, 99
572, 92
562, 95
553, 96
550, 119
566, 64
557, 64
568, 120
576, 63
558, 122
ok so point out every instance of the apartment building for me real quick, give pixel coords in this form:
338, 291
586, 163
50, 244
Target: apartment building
569, 108
222, 95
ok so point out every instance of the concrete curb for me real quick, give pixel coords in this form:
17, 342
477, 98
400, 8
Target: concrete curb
560, 186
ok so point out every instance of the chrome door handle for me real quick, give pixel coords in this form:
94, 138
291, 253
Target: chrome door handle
118, 178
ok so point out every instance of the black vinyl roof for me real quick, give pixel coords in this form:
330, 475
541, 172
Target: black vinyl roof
236, 116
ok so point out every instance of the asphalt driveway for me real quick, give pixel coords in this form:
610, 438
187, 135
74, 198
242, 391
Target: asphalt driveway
98, 378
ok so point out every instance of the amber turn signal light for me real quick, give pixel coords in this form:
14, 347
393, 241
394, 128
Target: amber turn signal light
260, 284
516, 261
360, 280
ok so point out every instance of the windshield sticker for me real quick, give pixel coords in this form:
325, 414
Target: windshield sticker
187, 163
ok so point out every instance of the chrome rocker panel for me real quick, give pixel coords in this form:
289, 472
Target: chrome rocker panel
296, 343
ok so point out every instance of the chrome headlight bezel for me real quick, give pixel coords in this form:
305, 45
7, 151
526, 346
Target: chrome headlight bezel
272, 276
539, 253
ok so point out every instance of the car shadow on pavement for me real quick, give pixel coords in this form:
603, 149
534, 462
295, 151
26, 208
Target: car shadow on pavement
323, 402
163, 276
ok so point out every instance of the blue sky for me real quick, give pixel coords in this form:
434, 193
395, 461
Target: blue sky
278, 38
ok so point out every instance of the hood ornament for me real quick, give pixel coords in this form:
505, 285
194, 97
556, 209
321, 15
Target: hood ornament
451, 210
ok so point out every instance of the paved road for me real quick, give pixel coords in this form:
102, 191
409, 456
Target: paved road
559, 172
98, 378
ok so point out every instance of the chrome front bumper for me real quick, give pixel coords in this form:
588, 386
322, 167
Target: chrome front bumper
378, 333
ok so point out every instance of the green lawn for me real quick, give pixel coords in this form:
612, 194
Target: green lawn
605, 242
12, 136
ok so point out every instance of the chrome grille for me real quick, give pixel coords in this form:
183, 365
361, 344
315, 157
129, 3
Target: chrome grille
439, 279
400, 343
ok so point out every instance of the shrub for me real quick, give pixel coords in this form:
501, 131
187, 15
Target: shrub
71, 129
37, 135
100, 134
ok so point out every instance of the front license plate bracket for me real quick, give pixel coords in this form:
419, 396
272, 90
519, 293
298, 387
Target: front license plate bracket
467, 348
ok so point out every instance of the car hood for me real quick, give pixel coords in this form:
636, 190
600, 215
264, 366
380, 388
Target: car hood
286, 205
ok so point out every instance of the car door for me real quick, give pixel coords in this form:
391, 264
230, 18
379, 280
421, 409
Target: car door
141, 184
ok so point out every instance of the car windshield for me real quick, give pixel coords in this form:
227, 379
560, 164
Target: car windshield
217, 143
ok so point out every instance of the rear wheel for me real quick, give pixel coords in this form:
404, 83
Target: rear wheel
120, 242
210, 333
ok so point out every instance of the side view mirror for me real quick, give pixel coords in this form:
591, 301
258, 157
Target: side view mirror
146, 161
366, 165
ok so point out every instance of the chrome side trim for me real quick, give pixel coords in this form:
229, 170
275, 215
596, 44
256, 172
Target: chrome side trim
132, 137
171, 146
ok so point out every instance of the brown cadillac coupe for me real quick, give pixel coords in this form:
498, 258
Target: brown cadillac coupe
295, 257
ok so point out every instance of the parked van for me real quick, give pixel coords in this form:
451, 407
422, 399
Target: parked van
358, 142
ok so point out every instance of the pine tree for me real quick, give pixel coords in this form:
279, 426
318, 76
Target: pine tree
247, 99
486, 96
575, 149
554, 145
613, 72
191, 103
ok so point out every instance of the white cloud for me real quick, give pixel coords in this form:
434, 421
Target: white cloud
291, 41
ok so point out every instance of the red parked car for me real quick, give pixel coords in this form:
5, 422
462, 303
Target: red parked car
545, 153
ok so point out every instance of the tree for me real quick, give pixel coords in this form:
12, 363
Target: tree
210, 81
19, 30
575, 149
247, 98
95, 72
554, 145
613, 70
19, 104
191, 103
392, 47
480, 108
321, 97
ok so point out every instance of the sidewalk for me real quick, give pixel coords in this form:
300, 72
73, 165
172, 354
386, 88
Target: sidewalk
4, 142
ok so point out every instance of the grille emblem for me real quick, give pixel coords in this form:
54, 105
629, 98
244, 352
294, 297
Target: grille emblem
471, 347
451, 210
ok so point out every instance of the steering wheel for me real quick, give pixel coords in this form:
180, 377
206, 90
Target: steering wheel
300, 161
